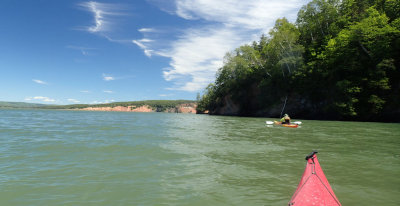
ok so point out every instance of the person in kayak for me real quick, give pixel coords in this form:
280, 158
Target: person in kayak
285, 119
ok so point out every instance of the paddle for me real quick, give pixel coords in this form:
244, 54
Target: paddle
271, 122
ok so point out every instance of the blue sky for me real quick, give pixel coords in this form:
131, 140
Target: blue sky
68, 51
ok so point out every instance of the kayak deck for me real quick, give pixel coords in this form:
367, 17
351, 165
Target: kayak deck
314, 188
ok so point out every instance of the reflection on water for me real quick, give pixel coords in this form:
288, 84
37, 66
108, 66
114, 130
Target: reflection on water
111, 158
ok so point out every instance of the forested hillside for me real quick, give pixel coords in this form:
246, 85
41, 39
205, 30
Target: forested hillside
339, 60
160, 105
17, 105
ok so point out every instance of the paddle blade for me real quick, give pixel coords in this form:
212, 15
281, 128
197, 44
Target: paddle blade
269, 122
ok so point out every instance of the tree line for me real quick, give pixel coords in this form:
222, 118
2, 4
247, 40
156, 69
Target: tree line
159, 105
339, 60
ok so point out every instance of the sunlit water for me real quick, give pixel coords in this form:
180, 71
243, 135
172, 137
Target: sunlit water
52, 157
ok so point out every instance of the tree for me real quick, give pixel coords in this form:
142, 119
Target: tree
341, 60
359, 60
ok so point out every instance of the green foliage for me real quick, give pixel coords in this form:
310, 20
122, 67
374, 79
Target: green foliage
160, 105
361, 53
283, 51
342, 57
19, 105
209, 99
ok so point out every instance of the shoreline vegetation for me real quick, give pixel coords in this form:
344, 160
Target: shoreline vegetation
170, 106
340, 60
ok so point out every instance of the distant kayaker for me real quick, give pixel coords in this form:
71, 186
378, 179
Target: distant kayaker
285, 119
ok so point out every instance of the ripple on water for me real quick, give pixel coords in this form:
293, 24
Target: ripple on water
108, 158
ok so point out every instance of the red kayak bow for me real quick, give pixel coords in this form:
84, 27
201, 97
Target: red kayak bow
314, 188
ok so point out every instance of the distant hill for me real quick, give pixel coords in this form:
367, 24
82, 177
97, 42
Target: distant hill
155, 105
17, 105
160, 105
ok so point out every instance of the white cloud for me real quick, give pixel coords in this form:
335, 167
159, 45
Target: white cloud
194, 61
165, 95
108, 91
107, 77
198, 52
251, 14
144, 30
84, 50
102, 14
141, 43
73, 100
102, 102
40, 98
39, 81
85, 91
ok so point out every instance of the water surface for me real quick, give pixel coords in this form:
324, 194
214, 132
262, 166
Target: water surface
50, 157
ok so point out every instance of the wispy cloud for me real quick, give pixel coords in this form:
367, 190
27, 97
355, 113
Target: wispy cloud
103, 14
40, 98
144, 30
84, 50
39, 81
107, 77
73, 100
102, 102
194, 61
197, 53
165, 95
141, 43
151, 46
108, 91
250, 14
84, 91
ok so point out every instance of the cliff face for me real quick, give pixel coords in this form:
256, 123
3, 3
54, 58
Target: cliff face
295, 106
229, 108
186, 108
144, 108
182, 108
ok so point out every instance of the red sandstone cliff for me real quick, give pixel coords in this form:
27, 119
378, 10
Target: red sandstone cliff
182, 108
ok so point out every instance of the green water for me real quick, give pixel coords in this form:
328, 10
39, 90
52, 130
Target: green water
108, 158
